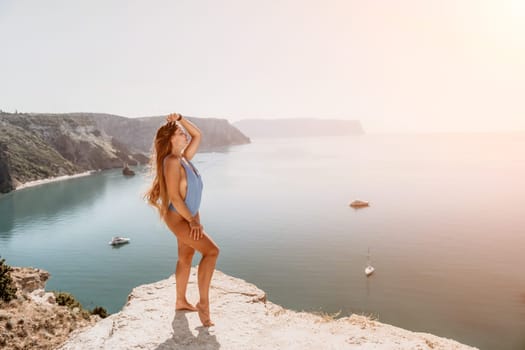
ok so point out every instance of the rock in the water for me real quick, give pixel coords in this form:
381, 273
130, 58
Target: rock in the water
127, 171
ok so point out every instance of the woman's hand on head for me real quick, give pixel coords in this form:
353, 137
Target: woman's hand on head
172, 117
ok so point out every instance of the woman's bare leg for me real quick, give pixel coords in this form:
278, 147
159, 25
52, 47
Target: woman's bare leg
182, 275
206, 268
209, 251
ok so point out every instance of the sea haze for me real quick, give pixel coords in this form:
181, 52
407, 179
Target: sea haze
445, 229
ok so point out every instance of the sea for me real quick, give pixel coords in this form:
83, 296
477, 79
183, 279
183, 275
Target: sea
445, 230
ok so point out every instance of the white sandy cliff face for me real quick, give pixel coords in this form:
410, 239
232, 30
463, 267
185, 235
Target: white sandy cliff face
244, 320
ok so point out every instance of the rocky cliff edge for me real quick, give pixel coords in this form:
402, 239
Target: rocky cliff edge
244, 319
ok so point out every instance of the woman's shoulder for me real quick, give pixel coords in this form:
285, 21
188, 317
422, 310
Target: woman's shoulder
172, 159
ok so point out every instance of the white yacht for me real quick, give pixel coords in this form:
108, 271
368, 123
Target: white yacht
119, 240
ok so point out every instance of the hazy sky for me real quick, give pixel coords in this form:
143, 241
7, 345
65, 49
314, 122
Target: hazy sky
404, 65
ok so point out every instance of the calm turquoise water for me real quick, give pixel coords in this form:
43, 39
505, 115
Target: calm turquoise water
446, 229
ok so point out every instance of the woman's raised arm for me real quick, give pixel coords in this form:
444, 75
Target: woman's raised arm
194, 132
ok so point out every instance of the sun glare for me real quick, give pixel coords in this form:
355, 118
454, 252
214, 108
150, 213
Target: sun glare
511, 13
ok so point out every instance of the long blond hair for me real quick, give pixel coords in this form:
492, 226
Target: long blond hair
157, 195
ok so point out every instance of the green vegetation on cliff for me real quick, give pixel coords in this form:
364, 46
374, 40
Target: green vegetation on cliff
7, 287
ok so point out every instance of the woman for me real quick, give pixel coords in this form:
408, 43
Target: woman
176, 193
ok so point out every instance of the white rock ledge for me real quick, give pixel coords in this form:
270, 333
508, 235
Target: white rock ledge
244, 320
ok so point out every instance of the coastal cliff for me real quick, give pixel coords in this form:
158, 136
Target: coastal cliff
244, 319
299, 127
39, 146
137, 133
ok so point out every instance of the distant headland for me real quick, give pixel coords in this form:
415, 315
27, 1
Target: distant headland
298, 127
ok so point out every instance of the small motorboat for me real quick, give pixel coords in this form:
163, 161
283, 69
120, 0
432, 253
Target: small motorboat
117, 240
359, 204
369, 269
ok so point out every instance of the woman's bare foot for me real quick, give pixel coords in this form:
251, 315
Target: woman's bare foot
204, 315
184, 305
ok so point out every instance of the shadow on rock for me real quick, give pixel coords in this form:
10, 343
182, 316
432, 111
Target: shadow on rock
183, 338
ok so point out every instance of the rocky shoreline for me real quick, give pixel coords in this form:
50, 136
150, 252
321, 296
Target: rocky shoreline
53, 179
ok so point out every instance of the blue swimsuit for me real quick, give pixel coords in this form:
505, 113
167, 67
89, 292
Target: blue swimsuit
194, 191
